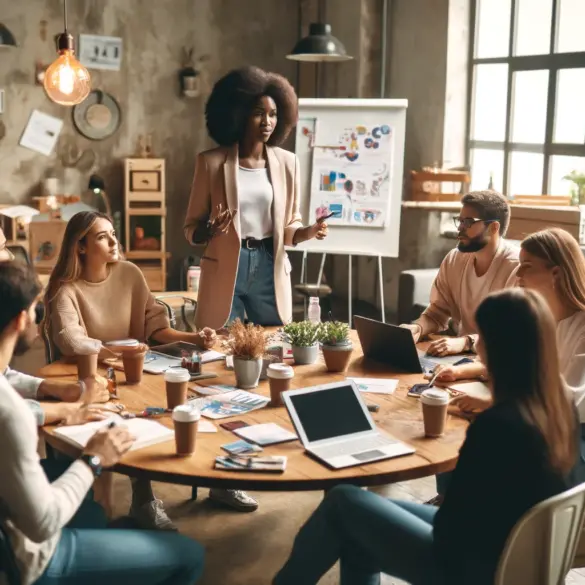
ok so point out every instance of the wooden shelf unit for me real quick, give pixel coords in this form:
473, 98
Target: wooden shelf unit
145, 199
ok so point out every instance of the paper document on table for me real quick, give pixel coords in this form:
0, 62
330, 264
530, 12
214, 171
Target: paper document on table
376, 385
147, 432
475, 389
206, 426
229, 404
211, 356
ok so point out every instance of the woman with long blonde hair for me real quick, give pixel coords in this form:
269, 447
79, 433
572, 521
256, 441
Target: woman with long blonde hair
552, 263
94, 296
519, 452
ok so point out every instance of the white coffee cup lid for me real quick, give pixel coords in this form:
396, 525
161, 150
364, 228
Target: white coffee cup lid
177, 375
435, 397
186, 413
280, 371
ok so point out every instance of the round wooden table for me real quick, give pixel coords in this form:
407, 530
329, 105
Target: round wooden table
399, 415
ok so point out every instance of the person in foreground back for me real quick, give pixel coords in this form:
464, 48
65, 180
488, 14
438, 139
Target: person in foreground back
517, 453
34, 513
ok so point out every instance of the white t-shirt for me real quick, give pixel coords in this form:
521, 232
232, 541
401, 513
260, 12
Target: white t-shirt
571, 344
255, 196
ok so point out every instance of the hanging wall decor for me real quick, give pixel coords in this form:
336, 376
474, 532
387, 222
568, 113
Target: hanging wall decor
97, 117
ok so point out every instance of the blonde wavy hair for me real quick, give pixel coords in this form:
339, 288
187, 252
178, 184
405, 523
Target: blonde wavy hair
558, 248
69, 267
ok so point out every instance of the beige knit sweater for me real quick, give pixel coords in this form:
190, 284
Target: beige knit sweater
119, 307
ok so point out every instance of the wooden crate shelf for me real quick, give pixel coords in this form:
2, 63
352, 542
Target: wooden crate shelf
145, 218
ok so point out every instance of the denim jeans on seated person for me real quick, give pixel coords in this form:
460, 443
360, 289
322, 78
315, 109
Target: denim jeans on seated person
90, 554
254, 294
369, 535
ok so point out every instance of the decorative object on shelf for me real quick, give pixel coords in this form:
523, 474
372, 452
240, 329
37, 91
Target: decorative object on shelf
142, 243
190, 78
98, 116
303, 337
144, 146
67, 81
336, 345
97, 187
6, 37
145, 215
100, 52
41, 132
247, 345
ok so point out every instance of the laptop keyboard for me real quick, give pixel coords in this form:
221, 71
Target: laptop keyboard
353, 447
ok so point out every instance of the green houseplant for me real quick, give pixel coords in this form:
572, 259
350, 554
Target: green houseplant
578, 188
336, 345
247, 343
304, 338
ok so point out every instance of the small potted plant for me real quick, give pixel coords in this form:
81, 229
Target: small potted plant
336, 345
247, 344
303, 337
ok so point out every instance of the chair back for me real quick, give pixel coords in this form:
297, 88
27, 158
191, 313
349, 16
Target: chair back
19, 253
541, 547
8, 565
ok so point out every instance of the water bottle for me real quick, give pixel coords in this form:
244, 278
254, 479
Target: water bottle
314, 310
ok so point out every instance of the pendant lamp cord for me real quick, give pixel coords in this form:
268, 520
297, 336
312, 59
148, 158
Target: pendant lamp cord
65, 14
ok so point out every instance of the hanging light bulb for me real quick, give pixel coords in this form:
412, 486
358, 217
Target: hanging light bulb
67, 81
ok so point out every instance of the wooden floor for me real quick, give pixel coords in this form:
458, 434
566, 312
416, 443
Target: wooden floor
248, 549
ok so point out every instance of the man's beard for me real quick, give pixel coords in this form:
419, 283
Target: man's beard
474, 244
25, 340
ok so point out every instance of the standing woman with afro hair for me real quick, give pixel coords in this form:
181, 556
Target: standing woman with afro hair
244, 204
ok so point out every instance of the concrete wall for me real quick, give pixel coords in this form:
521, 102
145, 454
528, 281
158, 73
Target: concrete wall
232, 32
426, 63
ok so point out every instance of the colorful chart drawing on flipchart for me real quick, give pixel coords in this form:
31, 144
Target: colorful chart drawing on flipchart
350, 171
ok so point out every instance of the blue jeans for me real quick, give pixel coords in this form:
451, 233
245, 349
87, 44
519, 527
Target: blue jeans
88, 553
254, 294
369, 535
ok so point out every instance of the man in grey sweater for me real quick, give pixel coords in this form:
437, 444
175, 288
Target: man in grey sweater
34, 513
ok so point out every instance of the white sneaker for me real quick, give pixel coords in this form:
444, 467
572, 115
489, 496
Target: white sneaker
236, 499
152, 516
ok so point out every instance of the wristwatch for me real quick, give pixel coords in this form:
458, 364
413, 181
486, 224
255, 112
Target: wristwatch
94, 463
469, 343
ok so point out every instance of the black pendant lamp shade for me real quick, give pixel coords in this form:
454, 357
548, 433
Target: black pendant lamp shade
6, 37
319, 45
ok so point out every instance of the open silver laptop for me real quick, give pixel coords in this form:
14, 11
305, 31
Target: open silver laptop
334, 425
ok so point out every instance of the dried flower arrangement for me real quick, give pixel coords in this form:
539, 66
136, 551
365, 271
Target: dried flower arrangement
246, 342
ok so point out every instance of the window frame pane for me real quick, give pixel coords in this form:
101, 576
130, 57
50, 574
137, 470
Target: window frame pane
553, 62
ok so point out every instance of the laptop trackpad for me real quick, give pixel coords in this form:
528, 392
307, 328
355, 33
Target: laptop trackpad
367, 455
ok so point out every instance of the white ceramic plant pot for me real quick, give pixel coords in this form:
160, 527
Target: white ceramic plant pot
305, 355
247, 372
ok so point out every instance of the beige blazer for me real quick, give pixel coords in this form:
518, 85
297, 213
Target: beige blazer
214, 183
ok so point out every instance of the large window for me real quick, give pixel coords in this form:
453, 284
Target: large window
527, 107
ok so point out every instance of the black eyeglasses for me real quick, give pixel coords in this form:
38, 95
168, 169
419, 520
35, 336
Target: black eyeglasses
467, 222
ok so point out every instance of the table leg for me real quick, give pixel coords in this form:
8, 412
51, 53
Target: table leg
193, 493
381, 283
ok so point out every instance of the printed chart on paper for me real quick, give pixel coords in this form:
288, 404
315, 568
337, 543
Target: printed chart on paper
351, 173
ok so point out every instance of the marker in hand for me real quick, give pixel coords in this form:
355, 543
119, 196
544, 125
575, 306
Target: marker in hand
326, 217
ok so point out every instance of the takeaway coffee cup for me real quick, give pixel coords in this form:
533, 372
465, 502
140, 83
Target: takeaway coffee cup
186, 420
434, 407
133, 360
176, 380
279, 377
87, 365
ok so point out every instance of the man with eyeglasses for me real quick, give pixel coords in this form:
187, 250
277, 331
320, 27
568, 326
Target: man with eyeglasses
481, 263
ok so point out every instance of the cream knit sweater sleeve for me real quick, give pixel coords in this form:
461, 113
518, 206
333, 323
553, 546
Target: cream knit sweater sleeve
68, 331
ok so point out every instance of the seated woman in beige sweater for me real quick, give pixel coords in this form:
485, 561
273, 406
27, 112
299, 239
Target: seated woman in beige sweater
94, 296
